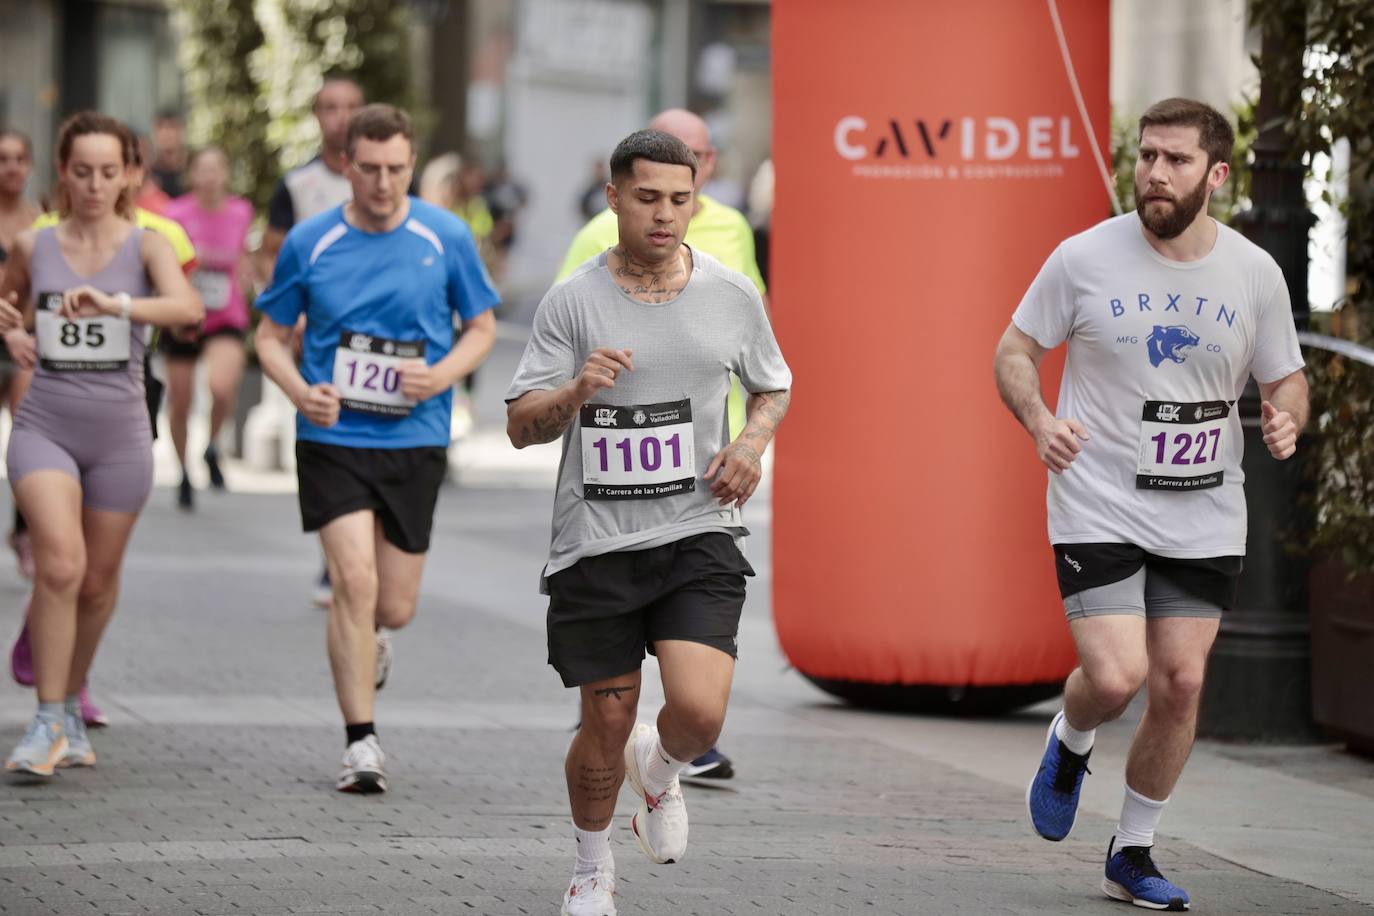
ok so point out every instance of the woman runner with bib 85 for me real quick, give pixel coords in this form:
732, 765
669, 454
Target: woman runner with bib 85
80, 455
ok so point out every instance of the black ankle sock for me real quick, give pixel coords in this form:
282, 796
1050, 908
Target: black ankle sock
360, 731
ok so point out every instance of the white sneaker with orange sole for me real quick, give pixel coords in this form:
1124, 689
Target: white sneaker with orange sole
37, 754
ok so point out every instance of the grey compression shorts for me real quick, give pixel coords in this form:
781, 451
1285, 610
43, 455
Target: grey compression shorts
1146, 593
106, 445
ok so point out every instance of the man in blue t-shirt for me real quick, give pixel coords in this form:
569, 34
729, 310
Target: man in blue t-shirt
378, 280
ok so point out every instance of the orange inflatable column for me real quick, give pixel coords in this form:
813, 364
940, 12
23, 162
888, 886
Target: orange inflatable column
929, 157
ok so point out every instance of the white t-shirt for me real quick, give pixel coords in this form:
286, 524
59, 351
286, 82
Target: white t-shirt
1158, 353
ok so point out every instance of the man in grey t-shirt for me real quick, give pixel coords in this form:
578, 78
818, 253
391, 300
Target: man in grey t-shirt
1165, 314
629, 362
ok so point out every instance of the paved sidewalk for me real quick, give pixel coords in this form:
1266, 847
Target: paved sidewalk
214, 789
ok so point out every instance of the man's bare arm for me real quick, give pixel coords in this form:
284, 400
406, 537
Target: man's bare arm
1017, 368
764, 414
537, 417
273, 346
545, 414
1289, 394
1283, 413
735, 471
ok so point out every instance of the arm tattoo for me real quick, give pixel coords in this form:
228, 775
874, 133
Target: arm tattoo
766, 410
747, 452
556, 419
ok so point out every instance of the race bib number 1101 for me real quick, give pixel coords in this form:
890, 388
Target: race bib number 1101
644, 451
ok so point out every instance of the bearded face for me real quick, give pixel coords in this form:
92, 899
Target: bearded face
1166, 214
1173, 179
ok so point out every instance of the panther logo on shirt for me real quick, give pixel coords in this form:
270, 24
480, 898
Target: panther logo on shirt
1170, 342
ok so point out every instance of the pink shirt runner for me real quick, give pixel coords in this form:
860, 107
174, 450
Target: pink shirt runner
219, 236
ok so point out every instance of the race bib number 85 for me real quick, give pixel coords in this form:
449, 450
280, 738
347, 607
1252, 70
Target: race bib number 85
99, 343
1182, 446
644, 451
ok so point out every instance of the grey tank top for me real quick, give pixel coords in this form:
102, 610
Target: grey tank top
50, 273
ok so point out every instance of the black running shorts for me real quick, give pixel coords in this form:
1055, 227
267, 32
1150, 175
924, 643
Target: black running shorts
174, 348
400, 485
1081, 567
605, 611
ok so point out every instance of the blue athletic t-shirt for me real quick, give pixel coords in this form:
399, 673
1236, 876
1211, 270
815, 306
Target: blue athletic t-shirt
402, 285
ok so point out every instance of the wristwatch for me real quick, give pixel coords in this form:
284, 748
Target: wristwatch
126, 304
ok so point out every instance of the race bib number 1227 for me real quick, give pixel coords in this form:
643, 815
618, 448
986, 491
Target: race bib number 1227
644, 451
1182, 445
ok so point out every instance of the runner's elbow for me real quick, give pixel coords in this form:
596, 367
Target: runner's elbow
515, 426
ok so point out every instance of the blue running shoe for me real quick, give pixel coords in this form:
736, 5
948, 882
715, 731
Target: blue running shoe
1133, 877
1052, 796
710, 765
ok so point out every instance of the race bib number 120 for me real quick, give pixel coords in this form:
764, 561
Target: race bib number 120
367, 372
99, 343
644, 451
1182, 446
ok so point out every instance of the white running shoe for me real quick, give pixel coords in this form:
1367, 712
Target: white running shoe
660, 825
591, 895
363, 764
79, 750
38, 752
384, 658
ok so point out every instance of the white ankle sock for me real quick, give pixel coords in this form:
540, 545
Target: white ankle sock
593, 850
1075, 740
657, 767
1139, 817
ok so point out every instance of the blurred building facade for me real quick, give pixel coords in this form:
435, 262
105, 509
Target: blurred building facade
60, 56
553, 85
1195, 48
545, 87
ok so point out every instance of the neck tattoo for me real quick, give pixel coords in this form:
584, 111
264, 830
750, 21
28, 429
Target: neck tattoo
655, 283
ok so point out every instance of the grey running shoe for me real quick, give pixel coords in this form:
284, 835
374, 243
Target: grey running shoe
38, 752
363, 764
79, 750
